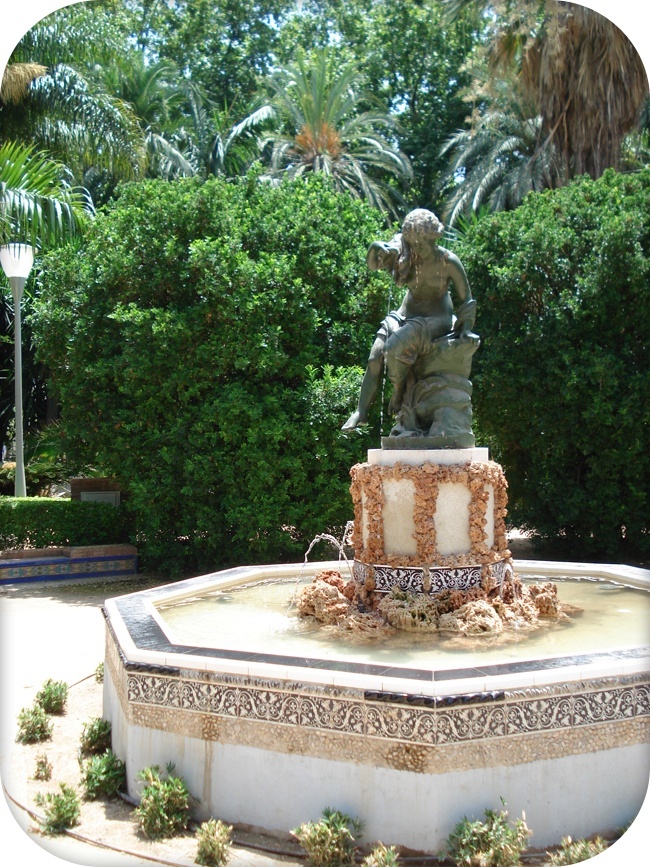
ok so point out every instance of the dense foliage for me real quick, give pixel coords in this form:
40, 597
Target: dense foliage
43, 522
561, 381
202, 346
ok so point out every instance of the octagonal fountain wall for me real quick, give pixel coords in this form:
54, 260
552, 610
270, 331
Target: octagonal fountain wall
268, 735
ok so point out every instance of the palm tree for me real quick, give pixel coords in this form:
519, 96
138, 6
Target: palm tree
16, 80
327, 128
498, 160
51, 98
38, 204
581, 71
210, 141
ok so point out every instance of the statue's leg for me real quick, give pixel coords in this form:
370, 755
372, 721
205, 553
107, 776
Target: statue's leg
402, 350
369, 385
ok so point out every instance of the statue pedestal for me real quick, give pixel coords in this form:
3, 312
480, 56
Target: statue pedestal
429, 520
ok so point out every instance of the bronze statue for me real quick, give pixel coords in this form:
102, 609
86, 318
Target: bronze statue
426, 344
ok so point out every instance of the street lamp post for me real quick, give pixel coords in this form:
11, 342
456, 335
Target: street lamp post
17, 261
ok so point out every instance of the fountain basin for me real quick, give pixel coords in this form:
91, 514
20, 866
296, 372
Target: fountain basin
269, 738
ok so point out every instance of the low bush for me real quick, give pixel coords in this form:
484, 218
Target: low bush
493, 843
45, 522
575, 851
164, 804
103, 776
61, 809
95, 737
382, 856
43, 770
214, 839
99, 673
53, 696
33, 725
329, 842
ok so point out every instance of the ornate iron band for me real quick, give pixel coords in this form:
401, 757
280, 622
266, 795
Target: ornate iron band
428, 579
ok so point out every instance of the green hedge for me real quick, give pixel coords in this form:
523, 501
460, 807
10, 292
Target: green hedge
561, 381
44, 522
205, 346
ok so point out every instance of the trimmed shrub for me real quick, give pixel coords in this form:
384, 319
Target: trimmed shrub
205, 349
164, 805
576, 851
330, 841
53, 696
214, 840
382, 856
44, 522
33, 725
492, 843
561, 385
43, 769
95, 737
61, 809
103, 776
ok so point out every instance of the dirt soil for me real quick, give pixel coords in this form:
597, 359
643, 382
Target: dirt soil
111, 821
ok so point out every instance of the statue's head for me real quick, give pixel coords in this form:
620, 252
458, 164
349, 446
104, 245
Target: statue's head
421, 225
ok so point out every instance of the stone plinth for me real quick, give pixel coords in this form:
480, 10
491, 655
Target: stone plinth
429, 520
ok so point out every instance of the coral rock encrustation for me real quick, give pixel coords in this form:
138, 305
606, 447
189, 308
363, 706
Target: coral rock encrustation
350, 607
429, 527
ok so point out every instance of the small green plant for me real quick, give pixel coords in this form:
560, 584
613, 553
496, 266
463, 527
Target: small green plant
52, 696
61, 809
33, 725
575, 851
95, 737
214, 839
329, 842
99, 673
493, 843
43, 769
164, 805
103, 776
382, 856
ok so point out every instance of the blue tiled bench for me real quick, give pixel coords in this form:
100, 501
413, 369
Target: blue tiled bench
56, 564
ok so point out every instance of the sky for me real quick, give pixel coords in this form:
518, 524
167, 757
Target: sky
16, 18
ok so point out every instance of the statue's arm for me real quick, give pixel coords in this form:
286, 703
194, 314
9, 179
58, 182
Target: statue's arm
458, 277
466, 312
383, 256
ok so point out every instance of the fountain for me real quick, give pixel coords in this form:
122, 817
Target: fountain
270, 718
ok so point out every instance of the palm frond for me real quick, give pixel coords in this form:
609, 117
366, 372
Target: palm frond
37, 202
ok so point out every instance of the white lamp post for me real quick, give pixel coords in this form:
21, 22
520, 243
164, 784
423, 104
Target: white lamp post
17, 261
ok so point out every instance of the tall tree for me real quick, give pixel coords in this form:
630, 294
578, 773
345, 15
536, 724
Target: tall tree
582, 72
227, 48
411, 60
498, 160
327, 127
65, 109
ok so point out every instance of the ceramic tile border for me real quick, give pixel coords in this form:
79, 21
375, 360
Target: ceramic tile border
146, 639
414, 733
59, 568
423, 719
